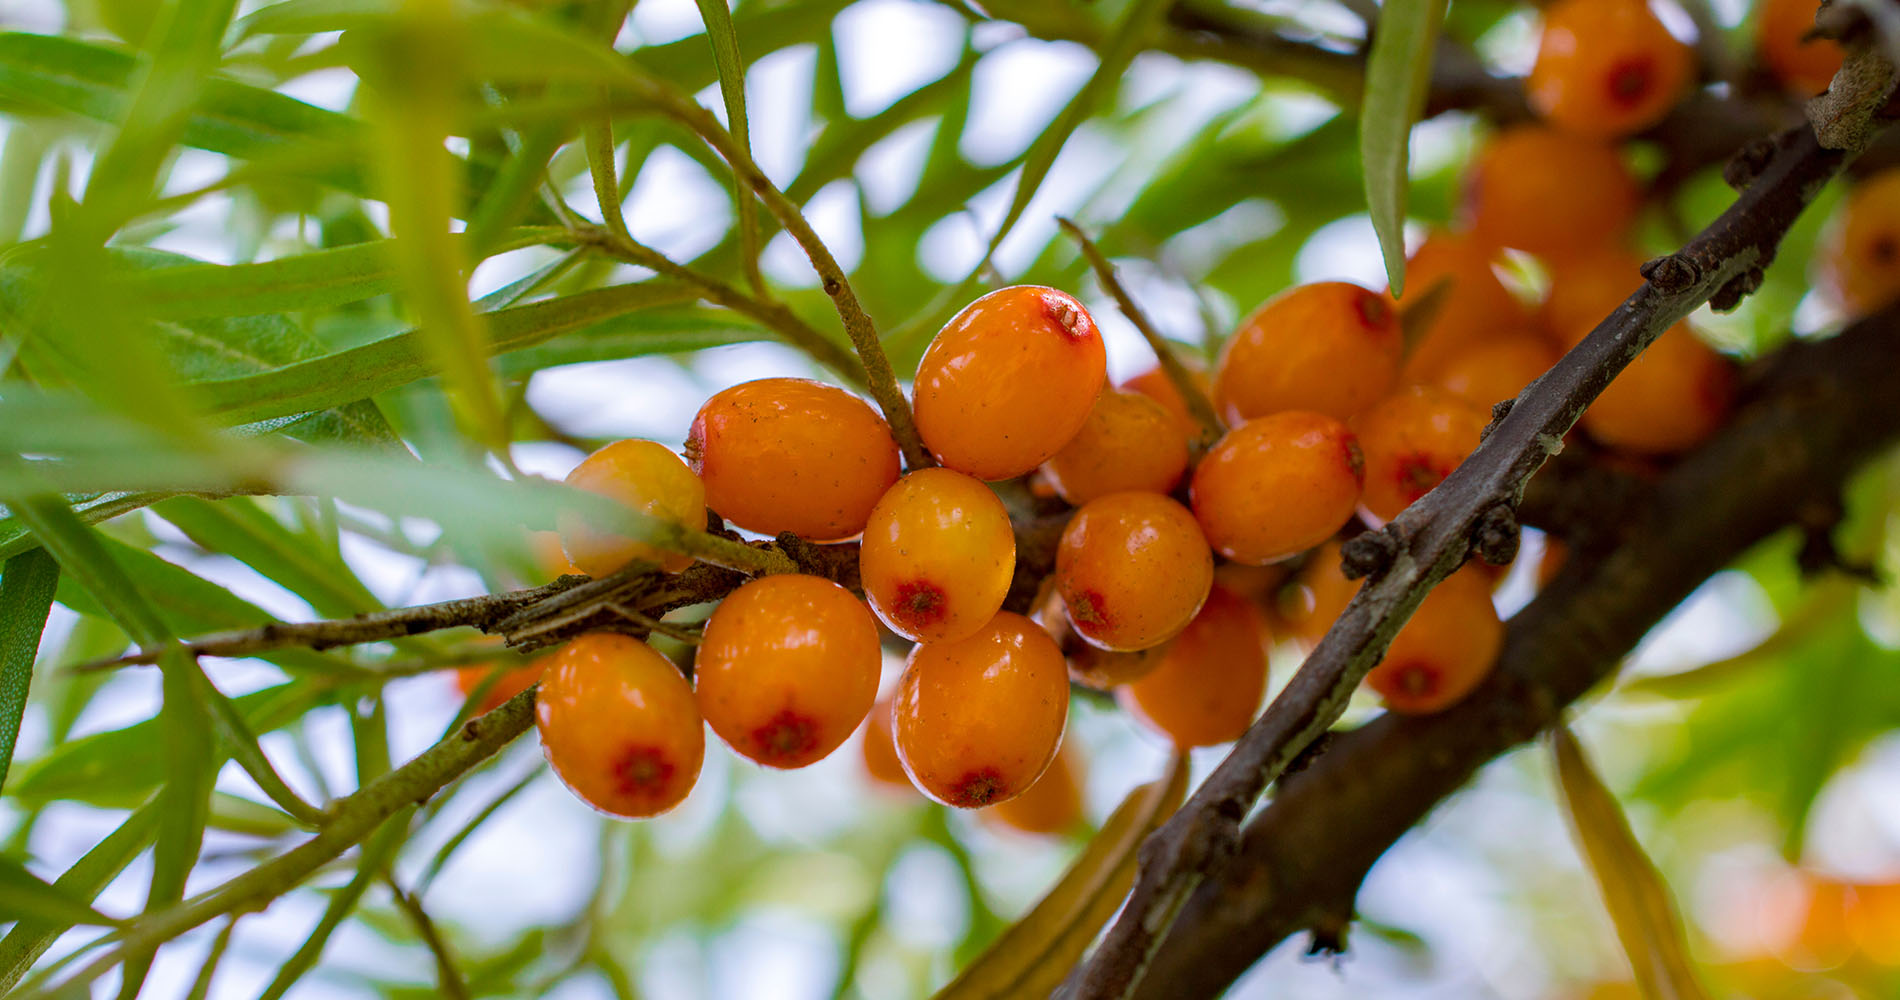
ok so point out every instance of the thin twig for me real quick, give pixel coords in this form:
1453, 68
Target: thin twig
448, 980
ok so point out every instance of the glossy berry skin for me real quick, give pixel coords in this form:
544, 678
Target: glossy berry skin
1331, 347
978, 719
1606, 68
1132, 569
1008, 381
1412, 440
1805, 66
1277, 486
1585, 287
1444, 650
1156, 385
1474, 306
650, 479
1211, 678
880, 750
1052, 806
791, 454
512, 682
1670, 399
619, 726
1543, 191
788, 669
1860, 261
937, 556
1129, 442
1489, 373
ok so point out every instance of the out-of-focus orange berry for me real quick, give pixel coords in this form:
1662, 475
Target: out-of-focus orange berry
1489, 373
788, 669
1411, 441
1129, 442
880, 750
646, 477
1445, 649
619, 726
1671, 398
1319, 595
1156, 385
511, 682
1586, 286
1051, 806
1874, 921
978, 719
1805, 66
549, 559
1540, 190
938, 555
1331, 347
1008, 381
1474, 307
1860, 260
791, 454
1822, 938
1211, 677
1277, 485
1607, 68
1132, 569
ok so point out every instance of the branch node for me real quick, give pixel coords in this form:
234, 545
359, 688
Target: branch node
1498, 535
1738, 288
1672, 272
1499, 410
806, 556
1748, 162
1305, 758
1369, 553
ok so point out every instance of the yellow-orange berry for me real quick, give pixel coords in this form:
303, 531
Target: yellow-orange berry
1606, 68
511, 681
1586, 286
1540, 190
1331, 347
1860, 260
880, 750
1101, 669
549, 559
1132, 569
978, 719
619, 726
1211, 678
1051, 806
1317, 598
646, 477
1008, 381
791, 454
1472, 309
1804, 65
1156, 385
788, 669
1672, 397
1411, 441
1129, 442
1489, 373
1445, 649
1278, 485
938, 555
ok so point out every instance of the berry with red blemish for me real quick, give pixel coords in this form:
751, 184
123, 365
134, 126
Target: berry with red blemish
1052, 806
1278, 485
1860, 258
1412, 440
1607, 68
619, 725
1445, 649
1132, 569
938, 555
1331, 347
977, 720
1008, 381
1211, 677
788, 669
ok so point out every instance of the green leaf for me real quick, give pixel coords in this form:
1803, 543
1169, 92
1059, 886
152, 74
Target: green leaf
1398, 79
88, 876
25, 896
725, 47
377, 854
26, 595
240, 527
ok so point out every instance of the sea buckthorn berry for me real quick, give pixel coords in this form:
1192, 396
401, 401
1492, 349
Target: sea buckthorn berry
1487, 374
1860, 262
1804, 65
791, 454
1318, 597
549, 559
1278, 485
1008, 381
647, 477
1156, 385
1672, 397
1586, 287
512, 681
1051, 806
1101, 669
1448, 645
938, 555
1606, 68
880, 750
1473, 307
619, 725
1211, 677
1543, 191
1412, 440
788, 669
1331, 347
1132, 569
1129, 442
978, 719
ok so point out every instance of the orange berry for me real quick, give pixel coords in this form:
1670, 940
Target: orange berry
1129, 442
1486, 374
1860, 260
1278, 485
1101, 669
1412, 440
1473, 307
791, 454
1319, 596
978, 719
1448, 645
938, 555
545, 547
512, 681
880, 750
1672, 397
1586, 287
619, 726
1132, 569
650, 479
1156, 385
1008, 381
1330, 347
788, 669
1607, 68
1805, 66
1051, 806
1541, 190
1211, 678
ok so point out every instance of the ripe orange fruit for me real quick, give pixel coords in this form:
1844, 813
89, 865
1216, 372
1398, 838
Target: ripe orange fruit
511, 682
1319, 595
788, 669
545, 547
938, 555
1156, 385
1101, 669
1129, 442
1544, 191
1330, 347
1473, 308
1805, 66
619, 726
1486, 374
791, 454
646, 477
1051, 806
1008, 381
1670, 399
1860, 260
1586, 286
1411, 441
1132, 569
1277, 486
1607, 68
1211, 677
1445, 649
978, 719
880, 750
